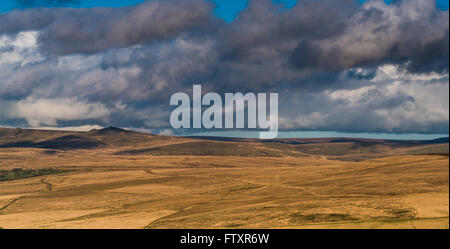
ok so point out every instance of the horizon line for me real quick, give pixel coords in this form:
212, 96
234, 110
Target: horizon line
253, 134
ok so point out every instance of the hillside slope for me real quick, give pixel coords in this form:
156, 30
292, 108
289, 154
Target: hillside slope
124, 142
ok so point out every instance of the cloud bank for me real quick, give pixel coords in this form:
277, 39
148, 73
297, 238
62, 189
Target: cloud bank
337, 65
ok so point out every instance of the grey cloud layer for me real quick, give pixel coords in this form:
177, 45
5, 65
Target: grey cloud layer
337, 65
327, 34
412, 32
67, 31
338, 35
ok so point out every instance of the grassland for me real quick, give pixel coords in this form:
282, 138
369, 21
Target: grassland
132, 180
18, 173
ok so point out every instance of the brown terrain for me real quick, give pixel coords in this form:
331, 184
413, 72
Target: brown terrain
113, 178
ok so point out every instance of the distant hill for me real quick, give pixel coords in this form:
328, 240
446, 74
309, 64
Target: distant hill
328, 140
131, 143
67, 140
438, 140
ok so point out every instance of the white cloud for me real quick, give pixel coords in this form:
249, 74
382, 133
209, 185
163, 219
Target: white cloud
351, 96
166, 132
313, 120
21, 49
39, 112
70, 128
392, 72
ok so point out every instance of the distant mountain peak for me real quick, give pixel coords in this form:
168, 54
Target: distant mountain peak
112, 128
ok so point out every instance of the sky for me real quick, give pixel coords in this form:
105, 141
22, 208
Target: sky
226, 9
351, 67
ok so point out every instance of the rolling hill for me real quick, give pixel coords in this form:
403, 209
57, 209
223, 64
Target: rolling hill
125, 142
115, 178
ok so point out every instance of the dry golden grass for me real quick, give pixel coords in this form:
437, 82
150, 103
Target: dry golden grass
117, 179
106, 190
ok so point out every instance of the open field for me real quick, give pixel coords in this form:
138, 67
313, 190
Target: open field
118, 179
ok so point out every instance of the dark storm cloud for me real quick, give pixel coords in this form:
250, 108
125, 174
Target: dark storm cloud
318, 35
410, 33
262, 30
338, 35
67, 31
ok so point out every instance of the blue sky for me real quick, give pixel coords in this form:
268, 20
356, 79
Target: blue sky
227, 9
